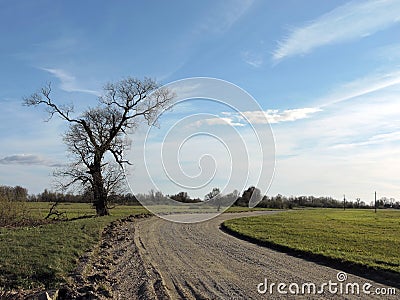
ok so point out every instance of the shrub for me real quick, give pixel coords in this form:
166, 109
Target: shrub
12, 213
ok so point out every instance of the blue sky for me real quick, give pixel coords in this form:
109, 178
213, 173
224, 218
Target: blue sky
326, 75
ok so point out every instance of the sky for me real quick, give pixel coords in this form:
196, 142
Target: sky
324, 74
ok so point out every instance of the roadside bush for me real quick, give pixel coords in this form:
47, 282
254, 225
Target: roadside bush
12, 213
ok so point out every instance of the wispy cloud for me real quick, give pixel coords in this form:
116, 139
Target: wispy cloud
388, 53
252, 59
28, 160
378, 139
68, 82
48, 49
217, 20
351, 21
232, 13
183, 90
362, 86
226, 15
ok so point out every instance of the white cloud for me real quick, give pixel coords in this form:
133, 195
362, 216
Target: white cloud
275, 116
68, 82
271, 116
220, 121
351, 21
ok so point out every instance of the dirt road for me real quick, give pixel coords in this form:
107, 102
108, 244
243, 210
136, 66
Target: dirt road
199, 261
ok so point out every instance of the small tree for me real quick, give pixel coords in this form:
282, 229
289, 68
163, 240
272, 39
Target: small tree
103, 129
12, 205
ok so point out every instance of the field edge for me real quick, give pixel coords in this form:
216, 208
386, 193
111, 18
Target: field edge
373, 273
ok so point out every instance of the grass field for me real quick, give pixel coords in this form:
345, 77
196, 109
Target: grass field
43, 256
75, 210
356, 236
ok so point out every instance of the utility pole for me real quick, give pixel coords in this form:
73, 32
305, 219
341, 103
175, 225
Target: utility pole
344, 202
375, 201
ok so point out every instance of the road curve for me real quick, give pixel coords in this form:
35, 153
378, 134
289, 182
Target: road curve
199, 261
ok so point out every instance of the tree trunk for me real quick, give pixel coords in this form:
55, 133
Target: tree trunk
99, 192
101, 206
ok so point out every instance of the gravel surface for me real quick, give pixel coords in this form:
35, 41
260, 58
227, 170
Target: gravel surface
199, 261
116, 270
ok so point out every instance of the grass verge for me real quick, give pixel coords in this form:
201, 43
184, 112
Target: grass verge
359, 237
43, 256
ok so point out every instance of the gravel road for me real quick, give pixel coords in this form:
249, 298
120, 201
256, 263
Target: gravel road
199, 261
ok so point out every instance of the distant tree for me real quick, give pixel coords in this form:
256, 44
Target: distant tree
181, 197
184, 198
103, 129
14, 194
215, 197
246, 196
159, 197
13, 210
213, 194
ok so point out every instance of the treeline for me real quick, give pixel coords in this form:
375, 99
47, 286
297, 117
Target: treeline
13, 193
86, 197
157, 197
385, 202
280, 201
20, 194
284, 202
152, 196
49, 196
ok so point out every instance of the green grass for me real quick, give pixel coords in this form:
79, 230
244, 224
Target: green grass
75, 210
356, 236
42, 256
238, 209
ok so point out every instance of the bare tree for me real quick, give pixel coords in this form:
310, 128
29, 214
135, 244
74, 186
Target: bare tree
213, 194
103, 129
214, 197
